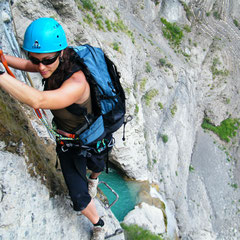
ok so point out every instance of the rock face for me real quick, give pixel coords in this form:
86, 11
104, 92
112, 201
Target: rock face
147, 216
210, 191
34, 201
28, 212
170, 89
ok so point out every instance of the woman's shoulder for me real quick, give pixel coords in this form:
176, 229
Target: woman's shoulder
77, 79
71, 63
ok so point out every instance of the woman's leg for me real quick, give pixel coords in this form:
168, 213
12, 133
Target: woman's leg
77, 185
96, 162
91, 213
78, 189
94, 175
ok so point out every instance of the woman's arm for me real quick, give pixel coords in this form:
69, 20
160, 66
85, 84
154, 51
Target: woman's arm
73, 90
20, 63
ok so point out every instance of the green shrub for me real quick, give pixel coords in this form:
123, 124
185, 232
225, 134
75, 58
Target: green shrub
88, 19
234, 185
226, 130
128, 90
236, 23
187, 28
130, 35
218, 72
88, 5
134, 232
217, 15
216, 62
136, 109
150, 95
98, 15
173, 109
191, 168
165, 138
156, 2
101, 21
100, 24
116, 46
109, 25
169, 65
160, 105
172, 32
148, 67
119, 25
162, 61
143, 84
187, 10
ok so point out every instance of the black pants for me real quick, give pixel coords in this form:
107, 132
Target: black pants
72, 161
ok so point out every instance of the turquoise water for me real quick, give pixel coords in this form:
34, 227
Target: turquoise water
127, 191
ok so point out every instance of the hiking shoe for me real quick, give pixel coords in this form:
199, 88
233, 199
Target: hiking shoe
92, 187
99, 232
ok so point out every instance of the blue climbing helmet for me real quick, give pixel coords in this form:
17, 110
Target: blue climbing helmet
44, 35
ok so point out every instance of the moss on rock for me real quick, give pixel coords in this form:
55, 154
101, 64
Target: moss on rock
20, 138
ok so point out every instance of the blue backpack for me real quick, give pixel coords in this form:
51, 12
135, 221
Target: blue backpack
107, 95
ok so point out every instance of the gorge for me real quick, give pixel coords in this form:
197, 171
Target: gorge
179, 62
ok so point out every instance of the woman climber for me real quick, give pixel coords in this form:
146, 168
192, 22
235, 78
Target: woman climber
65, 86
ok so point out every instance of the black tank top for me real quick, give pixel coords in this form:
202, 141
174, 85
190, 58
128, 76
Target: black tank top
67, 121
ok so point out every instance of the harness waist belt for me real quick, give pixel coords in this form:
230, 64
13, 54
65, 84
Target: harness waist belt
66, 134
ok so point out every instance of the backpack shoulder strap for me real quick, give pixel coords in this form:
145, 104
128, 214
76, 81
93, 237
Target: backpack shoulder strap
77, 110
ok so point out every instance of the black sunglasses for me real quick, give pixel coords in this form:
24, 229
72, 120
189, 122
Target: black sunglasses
46, 61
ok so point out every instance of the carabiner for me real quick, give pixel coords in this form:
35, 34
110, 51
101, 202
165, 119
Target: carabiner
64, 149
128, 118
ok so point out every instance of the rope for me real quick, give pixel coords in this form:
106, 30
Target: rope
54, 133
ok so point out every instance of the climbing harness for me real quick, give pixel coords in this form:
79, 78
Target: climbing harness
86, 150
99, 147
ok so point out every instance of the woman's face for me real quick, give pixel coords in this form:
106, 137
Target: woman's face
42, 60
